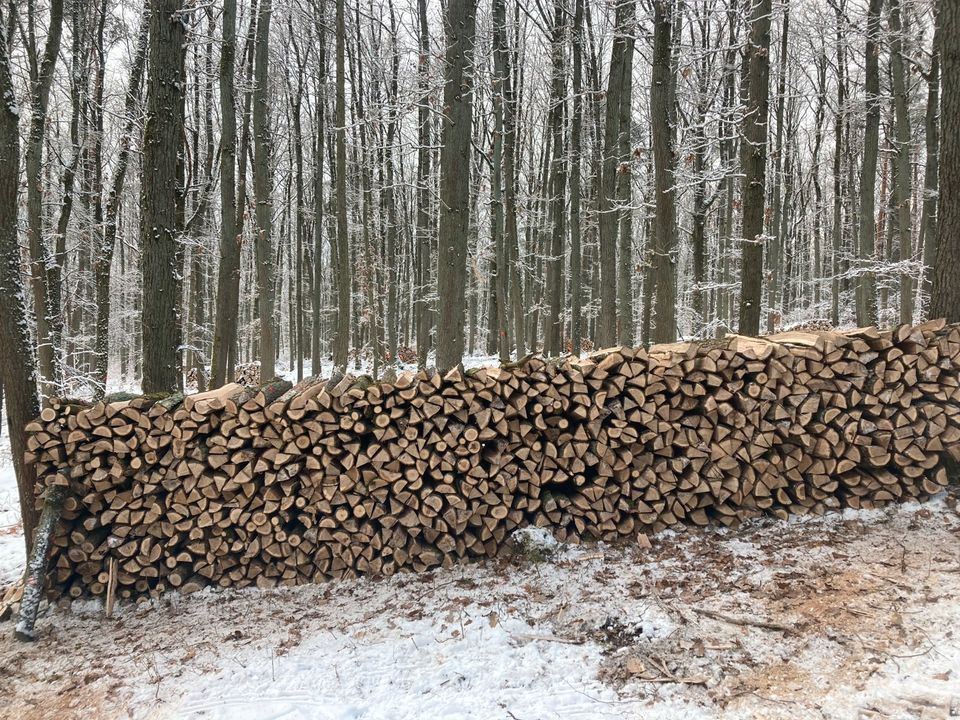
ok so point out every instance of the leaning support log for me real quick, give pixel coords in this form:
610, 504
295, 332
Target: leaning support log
37, 566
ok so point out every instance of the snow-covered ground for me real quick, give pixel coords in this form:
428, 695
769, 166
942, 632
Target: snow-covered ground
11, 532
852, 615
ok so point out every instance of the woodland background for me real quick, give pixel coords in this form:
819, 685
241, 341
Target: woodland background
187, 185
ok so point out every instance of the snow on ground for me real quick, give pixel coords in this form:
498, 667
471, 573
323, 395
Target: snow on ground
851, 615
11, 532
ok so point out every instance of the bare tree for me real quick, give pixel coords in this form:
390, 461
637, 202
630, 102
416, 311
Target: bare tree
460, 27
103, 260
228, 278
931, 124
753, 159
904, 142
663, 270
620, 73
45, 269
945, 295
18, 364
866, 281
161, 221
341, 342
263, 154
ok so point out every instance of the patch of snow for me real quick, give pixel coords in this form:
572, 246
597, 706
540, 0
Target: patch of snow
535, 537
12, 559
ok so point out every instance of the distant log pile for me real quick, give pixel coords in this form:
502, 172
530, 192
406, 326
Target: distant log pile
247, 374
332, 479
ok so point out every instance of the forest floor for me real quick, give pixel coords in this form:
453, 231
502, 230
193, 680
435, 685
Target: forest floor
852, 615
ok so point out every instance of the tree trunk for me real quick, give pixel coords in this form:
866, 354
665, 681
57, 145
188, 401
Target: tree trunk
928, 223
460, 25
424, 214
576, 279
904, 194
945, 295
553, 323
838, 135
228, 276
510, 230
818, 239
502, 279
625, 263
341, 342
162, 138
262, 154
318, 197
104, 256
18, 365
866, 280
753, 160
45, 270
663, 269
777, 241
607, 322
389, 196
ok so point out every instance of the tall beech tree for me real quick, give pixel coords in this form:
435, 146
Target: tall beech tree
663, 270
945, 294
262, 154
45, 267
228, 278
161, 196
18, 364
457, 131
866, 282
753, 160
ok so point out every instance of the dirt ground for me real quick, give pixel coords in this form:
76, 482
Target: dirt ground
851, 615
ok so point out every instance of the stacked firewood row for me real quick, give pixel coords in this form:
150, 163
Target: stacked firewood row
339, 477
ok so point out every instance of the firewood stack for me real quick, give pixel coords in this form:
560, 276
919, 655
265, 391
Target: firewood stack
340, 477
247, 374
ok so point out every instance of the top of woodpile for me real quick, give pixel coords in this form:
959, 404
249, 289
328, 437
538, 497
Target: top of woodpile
346, 475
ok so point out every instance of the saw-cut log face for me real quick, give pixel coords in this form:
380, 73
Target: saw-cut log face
337, 477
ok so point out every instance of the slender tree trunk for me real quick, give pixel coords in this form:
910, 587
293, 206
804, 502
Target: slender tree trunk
511, 230
866, 280
18, 364
663, 270
777, 241
424, 213
45, 270
163, 135
928, 224
502, 280
104, 256
460, 25
228, 276
576, 279
625, 195
607, 323
753, 159
839, 132
553, 324
389, 194
341, 343
818, 210
263, 153
904, 139
318, 196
